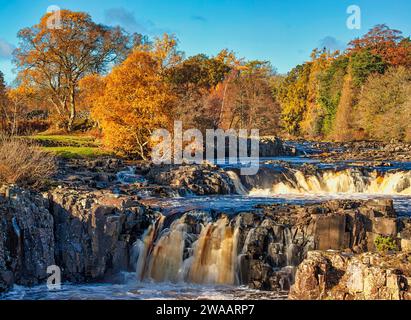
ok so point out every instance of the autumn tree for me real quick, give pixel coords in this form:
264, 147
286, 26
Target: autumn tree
343, 124
311, 124
384, 107
4, 114
249, 101
55, 59
387, 43
137, 99
194, 81
91, 88
292, 95
19, 102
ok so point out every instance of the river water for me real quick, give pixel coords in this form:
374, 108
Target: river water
297, 187
130, 289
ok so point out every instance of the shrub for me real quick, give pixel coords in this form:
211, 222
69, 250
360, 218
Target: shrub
385, 244
23, 163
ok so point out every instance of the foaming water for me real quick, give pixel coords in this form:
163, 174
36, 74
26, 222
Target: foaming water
239, 188
346, 181
215, 254
130, 289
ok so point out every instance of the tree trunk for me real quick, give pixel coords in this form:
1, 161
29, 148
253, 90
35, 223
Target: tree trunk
72, 110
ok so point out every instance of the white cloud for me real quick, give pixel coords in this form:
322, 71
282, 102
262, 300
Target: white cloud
6, 49
128, 21
331, 44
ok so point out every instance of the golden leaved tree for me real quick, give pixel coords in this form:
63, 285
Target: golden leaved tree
136, 99
54, 60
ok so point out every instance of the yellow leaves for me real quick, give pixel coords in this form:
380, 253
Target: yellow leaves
56, 59
19, 94
136, 101
91, 87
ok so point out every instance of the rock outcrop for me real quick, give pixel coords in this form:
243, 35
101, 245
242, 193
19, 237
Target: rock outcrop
281, 237
94, 232
204, 179
339, 276
26, 237
364, 150
274, 147
89, 235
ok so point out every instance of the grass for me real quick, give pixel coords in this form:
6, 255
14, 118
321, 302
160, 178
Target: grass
65, 140
77, 152
70, 146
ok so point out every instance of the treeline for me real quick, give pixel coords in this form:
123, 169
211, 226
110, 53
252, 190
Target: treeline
89, 76
362, 93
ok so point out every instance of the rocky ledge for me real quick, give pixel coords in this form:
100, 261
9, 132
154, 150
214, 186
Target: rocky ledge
363, 151
89, 235
340, 276
280, 238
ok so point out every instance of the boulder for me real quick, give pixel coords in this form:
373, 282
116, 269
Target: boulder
204, 179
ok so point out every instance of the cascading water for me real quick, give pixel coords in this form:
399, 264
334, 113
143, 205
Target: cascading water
175, 255
215, 254
145, 246
348, 181
129, 176
238, 186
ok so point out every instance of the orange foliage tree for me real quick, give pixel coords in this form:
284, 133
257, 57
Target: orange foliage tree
388, 43
136, 99
54, 60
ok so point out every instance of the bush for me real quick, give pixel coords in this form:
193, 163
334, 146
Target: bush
385, 244
24, 163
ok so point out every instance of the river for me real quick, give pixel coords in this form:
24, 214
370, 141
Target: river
183, 278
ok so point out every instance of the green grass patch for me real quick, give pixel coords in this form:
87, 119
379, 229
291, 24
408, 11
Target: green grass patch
64, 140
70, 146
77, 152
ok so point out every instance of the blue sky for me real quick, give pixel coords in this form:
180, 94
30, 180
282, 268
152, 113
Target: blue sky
281, 31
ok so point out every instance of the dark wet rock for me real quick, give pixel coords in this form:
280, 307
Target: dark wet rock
365, 151
88, 234
26, 237
95, 231
204, 179
274, 147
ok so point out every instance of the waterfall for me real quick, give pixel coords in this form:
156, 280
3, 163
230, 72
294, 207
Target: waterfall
215, 254
173, 254
348, 181
238, 186
145, 246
